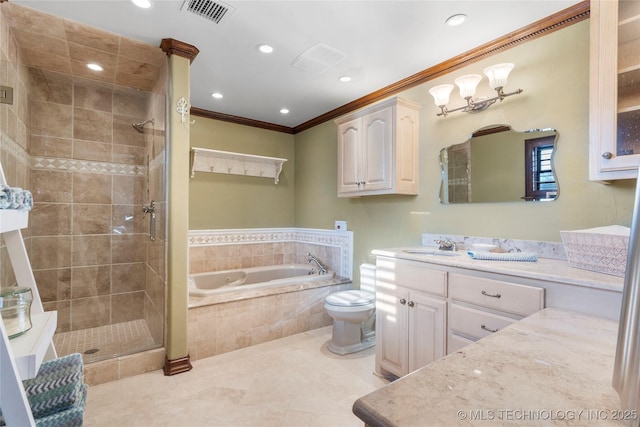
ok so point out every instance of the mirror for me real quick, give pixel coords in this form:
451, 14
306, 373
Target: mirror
498, 164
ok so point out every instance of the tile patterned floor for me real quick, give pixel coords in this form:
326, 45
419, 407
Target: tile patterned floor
293, 381
109, 340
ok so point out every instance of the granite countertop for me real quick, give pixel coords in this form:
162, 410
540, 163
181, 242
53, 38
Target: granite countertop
544, 269
552, 368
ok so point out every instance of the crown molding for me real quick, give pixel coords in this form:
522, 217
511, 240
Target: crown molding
195, 111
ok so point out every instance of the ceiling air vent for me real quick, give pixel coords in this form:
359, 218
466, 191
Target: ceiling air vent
319, 58
212, 10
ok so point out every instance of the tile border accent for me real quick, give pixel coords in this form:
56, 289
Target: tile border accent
52, 163
340, 239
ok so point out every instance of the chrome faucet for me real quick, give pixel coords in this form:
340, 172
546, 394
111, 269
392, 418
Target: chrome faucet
321, 268
446, 245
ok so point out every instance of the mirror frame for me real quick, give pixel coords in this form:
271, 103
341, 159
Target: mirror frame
487, 130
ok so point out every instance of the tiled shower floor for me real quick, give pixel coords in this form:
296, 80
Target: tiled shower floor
109, 340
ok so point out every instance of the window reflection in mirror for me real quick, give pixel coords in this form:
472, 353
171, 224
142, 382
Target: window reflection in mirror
498, 164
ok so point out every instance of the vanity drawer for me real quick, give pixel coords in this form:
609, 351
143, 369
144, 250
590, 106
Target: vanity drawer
475, 323
418, 276
522, 300
456, 342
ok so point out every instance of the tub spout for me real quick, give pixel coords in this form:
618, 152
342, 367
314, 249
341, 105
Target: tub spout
312, 259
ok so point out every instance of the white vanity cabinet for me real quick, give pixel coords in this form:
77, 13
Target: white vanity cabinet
410, 315
481, 306
614, 98
378, 149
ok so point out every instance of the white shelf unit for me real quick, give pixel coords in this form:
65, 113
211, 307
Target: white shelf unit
216, 161
20, 358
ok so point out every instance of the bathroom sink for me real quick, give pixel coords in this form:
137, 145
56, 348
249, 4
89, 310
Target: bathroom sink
430, 252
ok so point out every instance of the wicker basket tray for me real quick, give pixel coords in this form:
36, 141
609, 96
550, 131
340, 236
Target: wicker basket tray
601, 249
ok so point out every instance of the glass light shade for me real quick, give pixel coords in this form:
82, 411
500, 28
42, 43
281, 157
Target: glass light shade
441, 94
468, 84
498, 74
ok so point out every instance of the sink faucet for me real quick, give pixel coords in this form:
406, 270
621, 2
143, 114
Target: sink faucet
321, 268
446, 245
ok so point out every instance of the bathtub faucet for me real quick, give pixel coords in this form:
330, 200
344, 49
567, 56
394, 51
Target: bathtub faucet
321, 268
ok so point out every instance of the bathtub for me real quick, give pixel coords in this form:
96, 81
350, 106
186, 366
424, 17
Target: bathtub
254, 278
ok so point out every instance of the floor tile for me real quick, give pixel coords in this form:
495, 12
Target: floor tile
292, 381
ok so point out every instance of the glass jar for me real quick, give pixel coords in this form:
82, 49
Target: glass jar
15, 309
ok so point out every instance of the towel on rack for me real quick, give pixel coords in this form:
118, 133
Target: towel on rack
7, 197
508, 256
18, 198
15, 198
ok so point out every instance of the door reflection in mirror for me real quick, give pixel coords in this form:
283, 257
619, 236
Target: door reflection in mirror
498, 164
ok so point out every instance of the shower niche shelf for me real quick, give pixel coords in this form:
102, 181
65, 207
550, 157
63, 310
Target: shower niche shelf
215, 161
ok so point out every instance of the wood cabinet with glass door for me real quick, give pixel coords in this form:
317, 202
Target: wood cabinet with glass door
614, 122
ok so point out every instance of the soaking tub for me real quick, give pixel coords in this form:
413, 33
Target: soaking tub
254, 278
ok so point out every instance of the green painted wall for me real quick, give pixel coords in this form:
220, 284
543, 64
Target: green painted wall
554, 73
230, 201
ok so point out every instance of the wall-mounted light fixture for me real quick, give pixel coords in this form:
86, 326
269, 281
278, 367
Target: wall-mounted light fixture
497, 75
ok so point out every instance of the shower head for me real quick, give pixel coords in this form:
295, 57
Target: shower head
140, 126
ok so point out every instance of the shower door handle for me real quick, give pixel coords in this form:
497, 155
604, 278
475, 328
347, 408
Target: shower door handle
151, 209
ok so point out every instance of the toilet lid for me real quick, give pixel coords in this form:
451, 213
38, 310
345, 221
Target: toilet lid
350, 298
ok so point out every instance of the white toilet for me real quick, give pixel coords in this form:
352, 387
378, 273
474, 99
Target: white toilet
353, 314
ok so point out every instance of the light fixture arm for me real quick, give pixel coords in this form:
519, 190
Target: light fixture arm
477, 105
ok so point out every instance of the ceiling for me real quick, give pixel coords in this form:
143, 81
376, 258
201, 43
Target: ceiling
383, 42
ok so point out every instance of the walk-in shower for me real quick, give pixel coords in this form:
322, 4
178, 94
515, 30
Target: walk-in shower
90, 174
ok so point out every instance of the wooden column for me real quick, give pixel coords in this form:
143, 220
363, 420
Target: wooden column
180, 57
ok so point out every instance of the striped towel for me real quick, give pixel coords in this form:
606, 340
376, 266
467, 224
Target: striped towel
509, 256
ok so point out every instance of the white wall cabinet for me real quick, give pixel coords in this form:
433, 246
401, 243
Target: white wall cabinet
410, 323
614, 96
378, 149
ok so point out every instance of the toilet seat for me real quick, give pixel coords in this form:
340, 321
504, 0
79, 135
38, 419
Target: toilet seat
354, 298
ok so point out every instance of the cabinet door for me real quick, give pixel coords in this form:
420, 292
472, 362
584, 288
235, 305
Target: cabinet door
407, 149
426, 329
614, 98
349, 155
377, 134
391, 332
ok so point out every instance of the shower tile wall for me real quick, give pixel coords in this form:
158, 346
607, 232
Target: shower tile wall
14, 130
89, 184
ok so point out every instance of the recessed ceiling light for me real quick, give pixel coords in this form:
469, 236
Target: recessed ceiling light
456, 19
145, 4
284, 111
94, 67
265, 48
217, 95
345, 79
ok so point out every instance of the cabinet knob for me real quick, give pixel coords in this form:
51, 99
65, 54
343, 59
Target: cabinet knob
411, 303
488, 329
607, 155
403, 301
